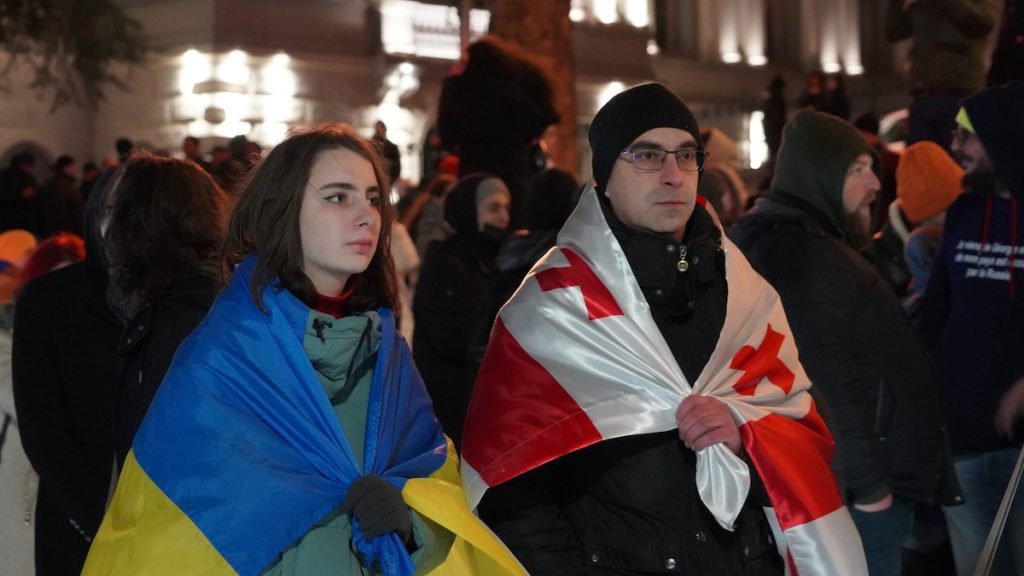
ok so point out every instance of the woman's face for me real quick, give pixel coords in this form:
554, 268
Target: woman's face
339, 220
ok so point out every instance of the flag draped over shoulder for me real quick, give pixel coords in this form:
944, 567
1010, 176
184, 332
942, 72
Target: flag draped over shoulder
241, 454
575, 358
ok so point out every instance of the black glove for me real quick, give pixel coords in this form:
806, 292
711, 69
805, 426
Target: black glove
379, 507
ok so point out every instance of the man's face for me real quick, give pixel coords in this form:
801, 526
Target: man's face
659, 201
970, 153
190, 147
859, 190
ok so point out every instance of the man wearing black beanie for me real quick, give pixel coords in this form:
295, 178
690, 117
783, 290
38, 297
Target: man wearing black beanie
634, 500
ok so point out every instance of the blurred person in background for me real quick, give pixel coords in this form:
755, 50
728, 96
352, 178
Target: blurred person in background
18, 481
456, 275
62, 365
948, 58
720, 183
494, 113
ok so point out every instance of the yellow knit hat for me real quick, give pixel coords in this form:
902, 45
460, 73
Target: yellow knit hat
927, 181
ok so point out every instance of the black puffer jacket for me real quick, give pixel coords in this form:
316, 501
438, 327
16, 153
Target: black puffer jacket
855, 342
630, 506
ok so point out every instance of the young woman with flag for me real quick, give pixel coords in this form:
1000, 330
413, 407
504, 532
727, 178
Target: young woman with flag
292, 434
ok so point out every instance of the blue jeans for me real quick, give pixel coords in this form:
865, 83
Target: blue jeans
984, 478
883, 534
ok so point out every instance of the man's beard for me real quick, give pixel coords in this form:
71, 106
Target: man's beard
980, 180
858, 229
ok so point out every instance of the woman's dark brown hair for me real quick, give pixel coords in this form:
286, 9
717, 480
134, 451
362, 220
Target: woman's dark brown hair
164, 218
265, 221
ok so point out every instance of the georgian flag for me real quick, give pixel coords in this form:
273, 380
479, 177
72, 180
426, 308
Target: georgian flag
576, 358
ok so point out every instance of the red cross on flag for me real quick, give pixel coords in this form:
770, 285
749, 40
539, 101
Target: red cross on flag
576, 358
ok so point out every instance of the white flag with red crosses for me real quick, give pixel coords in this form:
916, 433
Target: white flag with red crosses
575, 358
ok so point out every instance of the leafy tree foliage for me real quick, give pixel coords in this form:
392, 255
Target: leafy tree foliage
71, 47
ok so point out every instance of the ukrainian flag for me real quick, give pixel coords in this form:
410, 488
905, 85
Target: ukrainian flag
241, 454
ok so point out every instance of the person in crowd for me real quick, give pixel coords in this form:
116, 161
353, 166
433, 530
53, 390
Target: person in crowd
836, 101
163, 225
493, 115
927, 182
429, 223
857, 346
773, 105
232, 167
720, 183
456, 276
616, 423
553, 195
813, 96
867, 124
15, 248
1008, 56
426, 201
65, 400
61, 199
20, 204
90, 173
388, 151
191, 150
60, 250
18, 481
124, 148
407, 266
432, 154
948, 58
971, 318
291, 433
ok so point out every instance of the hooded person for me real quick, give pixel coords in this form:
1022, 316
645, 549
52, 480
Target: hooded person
553, 195
65, 401
972, 318
612, 429
867, 364
455, 277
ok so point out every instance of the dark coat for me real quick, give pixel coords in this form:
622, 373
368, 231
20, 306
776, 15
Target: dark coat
859, 350
62, 364
448, 306
630, 506
147, 346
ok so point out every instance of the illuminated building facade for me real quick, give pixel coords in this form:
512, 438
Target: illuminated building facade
255, 67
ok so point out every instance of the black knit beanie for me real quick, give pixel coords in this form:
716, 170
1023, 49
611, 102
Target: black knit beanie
630, 114
997, 115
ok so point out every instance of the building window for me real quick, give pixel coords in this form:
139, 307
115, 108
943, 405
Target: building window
427, 30
636, 13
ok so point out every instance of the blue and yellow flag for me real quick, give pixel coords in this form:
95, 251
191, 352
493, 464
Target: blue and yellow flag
241, 454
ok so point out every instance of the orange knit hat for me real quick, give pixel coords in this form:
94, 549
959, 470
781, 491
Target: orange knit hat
927, 181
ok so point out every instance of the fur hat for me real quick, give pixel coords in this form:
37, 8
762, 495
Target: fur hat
630, 114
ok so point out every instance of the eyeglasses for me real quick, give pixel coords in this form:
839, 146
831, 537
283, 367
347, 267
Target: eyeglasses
652, 159
961, 135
